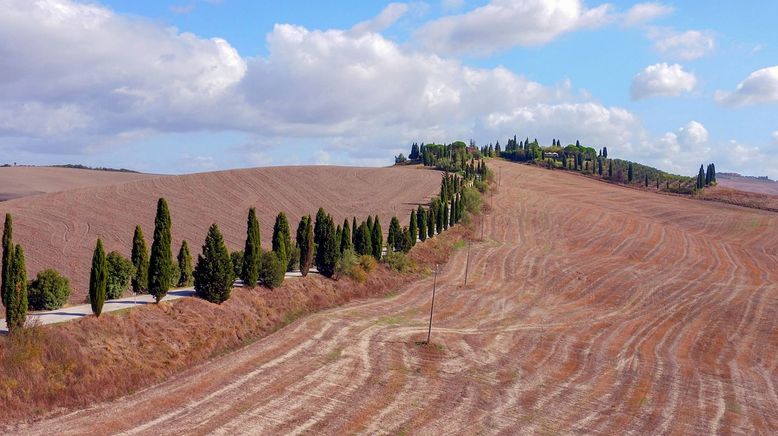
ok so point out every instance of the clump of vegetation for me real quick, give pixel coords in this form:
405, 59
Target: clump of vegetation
214, 273
236, 257
48, 291
272, 269
120, 271
185, 277
399, 261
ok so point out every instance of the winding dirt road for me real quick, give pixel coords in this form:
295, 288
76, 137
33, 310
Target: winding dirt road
590, 309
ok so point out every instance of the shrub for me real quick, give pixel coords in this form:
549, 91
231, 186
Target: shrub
48, 291
346, 262
367, 263
214, 273
237, 262
398, 261
272, 269
471, 199
120, 271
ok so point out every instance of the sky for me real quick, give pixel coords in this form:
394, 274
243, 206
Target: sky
198, 85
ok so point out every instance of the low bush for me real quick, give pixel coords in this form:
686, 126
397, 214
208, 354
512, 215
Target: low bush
237, 262
48, 291
120, 271
271, 270
399, 261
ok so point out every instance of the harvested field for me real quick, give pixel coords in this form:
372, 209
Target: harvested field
59, 230
748, 184
17, 182
590, 309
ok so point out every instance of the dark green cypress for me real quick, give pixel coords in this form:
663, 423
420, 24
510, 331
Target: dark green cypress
439, 215
185, 266
452, 212
377, 239
353, 231
421, 217
282, 238
252, 253
327, 249
701, 178
610, 168
140, 260
161, 260
393, 237
413, 227
345, 237
445, 216
338, 237
431, 220
98, 279
370, 224
461, 206
16, 310
630, 174
6, 281
405, 236
362, 244
213, 275
305, 244
318, 229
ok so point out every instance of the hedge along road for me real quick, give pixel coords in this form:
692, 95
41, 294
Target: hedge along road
70, 313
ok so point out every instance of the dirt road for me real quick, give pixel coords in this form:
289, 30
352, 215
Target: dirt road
590, 309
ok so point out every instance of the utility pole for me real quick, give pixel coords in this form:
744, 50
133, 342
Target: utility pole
467, 264
432, 306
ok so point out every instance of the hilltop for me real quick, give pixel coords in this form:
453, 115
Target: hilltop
24, 181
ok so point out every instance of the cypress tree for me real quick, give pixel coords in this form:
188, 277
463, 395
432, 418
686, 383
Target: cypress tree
405, 237
452, 212
370, 224
377, 239
318, 227
345, 237
393, 238
421, 217
282, 238
338, 237
599, 167
213, 275
353, 231
98, 279
161, 260
305, 244
413, 227
445, 216
249, 272
327, 249
646, 181
362, 244
431, 220
185, 266
6, 281
16, 310
140, 260
610, 167
701, 178
630, 174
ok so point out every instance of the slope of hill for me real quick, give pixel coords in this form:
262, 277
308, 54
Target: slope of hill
650, 315
16, 182
59, 230
748, 184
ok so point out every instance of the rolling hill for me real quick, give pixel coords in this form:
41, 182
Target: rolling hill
16, 182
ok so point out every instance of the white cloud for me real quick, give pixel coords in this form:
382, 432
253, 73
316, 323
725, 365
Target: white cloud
506, 23
645, 12
694, 133
662, 79
681, 151
761, 86
388, 16
688, 45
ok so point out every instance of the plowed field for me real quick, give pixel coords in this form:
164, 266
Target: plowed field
16, 182
590, 309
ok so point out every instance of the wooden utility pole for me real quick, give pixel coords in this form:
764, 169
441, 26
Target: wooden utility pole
467, 264
432, 306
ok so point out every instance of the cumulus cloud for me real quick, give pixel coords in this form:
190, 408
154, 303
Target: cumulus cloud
662, 80
761, 86
688, 45
680, 151
388, 16
645, 12
506, 23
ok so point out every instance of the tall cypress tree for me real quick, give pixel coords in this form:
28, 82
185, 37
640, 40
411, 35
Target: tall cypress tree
630, 174
305, 244
6, 282
140, 260
370, 224
445, 216
353, 231
249, 272
421, 217
394, 236
98, 279
610, 167
282, 238
452, 213
16, 310
431, 220
327, 249
345, 238
439, 215
362, 244
377, 239
213, 275
413, 227
701, 178
161, 260
185, 266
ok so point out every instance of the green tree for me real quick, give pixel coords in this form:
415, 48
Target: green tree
440, 216
282, 239
249, 273
452, 216
431, 220
185, 277
161, 260
405, 236
6, 282
362, 244
214, 275
413, 227
140, 260
272, 270
305, 244
16, 310
446, 216
370, 224
353, 231
701, 178
120, 271
377, 239
630, 174
98, 279
327, 248
345, 238
48, 291
422, 219
236, 258
318, 227
394, 236
610, 167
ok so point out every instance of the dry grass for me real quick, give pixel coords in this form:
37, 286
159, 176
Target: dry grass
59, 368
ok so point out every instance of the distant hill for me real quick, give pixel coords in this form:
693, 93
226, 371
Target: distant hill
760, 185
23, 181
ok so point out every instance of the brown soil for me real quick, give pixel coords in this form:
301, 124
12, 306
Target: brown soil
748, 184
59, 230
756, 200
17, 182
590, 308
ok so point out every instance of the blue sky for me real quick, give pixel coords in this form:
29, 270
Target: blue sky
196, 85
